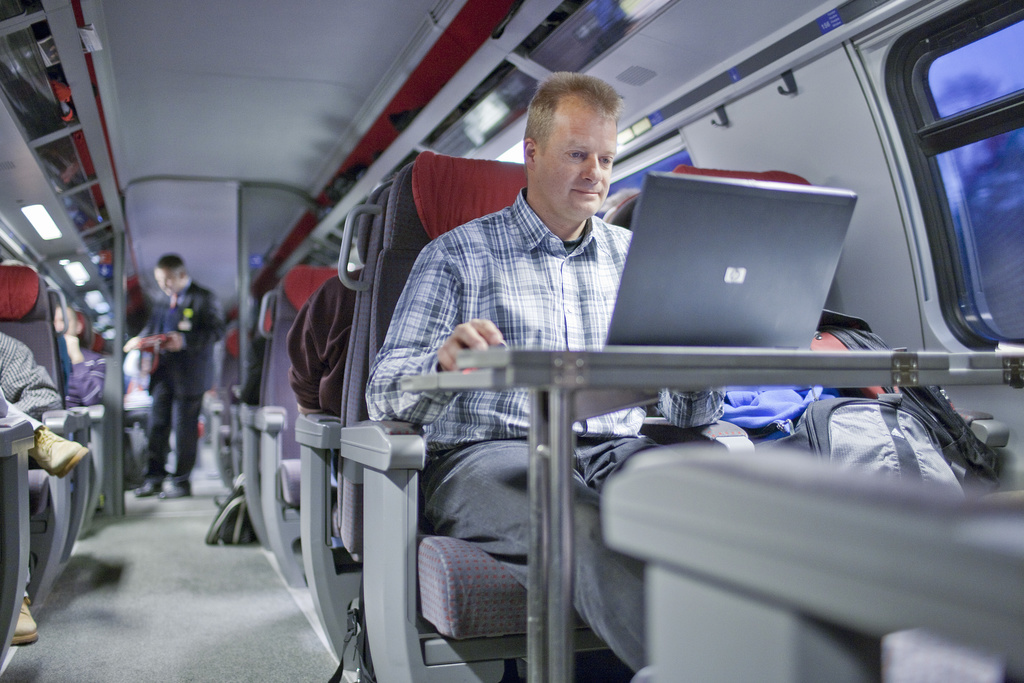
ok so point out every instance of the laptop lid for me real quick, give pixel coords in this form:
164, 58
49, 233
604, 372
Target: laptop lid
726, 262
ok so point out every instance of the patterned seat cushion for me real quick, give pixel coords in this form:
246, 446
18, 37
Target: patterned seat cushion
466, 593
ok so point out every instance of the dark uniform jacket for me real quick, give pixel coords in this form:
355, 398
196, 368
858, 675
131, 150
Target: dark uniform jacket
198, 317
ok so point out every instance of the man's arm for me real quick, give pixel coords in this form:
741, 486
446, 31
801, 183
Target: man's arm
692, 409
26, 384
86, 389
422, 323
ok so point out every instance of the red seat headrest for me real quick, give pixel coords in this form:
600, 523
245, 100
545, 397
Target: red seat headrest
231, 342
301, 281
450, 191
19, 290
771, 176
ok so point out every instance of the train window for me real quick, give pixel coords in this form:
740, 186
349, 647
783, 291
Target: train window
978, 72
636, 177
958, 84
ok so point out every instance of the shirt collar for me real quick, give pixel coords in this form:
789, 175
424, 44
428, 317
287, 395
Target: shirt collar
533, 229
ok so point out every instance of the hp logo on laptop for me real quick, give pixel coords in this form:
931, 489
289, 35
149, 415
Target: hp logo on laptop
735, 275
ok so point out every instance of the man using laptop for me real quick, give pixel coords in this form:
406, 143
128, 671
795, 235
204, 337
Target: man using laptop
540, 274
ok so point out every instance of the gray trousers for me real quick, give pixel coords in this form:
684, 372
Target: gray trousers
479, 493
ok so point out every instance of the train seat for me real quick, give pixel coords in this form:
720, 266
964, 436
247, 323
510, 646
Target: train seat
332, 542
444, 611
389, 249
622, 213
101, 444
26, 313
219, 408
278, 451
249, 455
15, 441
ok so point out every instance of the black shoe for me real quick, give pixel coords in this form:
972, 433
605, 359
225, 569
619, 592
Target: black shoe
176, 490
150, 487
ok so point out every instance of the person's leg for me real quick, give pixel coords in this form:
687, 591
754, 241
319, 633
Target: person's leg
479, 493
55, 454
158, 435
186, 435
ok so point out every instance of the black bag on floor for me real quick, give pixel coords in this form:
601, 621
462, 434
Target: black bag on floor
890, 435
356, 631
232, 525
908, 432
975, 463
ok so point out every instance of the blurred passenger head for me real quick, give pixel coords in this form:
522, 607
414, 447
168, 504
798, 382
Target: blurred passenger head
71, 328
170, 274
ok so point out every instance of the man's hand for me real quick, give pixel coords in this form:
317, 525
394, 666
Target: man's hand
476, 334
175, 341
131, 344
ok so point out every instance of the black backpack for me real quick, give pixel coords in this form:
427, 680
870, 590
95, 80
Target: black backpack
232, 525
915, 428
888, 434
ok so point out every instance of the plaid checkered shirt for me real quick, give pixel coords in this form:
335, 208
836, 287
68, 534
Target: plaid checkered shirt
508, 267
25, 383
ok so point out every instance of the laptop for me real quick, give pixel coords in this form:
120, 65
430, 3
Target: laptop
729, 263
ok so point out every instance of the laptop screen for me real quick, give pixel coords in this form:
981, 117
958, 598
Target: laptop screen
726, 262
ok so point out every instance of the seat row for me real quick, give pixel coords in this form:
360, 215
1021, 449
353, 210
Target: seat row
43, 515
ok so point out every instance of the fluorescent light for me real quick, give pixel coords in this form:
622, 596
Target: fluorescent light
41, 221
514, 153
97, 302
77, 272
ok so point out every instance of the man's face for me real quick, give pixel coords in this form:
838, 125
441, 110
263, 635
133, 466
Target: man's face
170, 281
568, 174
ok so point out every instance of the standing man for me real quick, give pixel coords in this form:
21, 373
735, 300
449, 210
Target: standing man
540, 274
191, 323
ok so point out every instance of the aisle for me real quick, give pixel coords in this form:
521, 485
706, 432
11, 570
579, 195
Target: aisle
145, 599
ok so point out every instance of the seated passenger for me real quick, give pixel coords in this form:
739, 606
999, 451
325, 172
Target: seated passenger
317, 351
88, 368
248, 391
540, 274
27, 393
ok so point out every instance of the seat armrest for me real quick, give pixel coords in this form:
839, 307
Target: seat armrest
270, 419
384, 446
65, 422
15, 436
318, 430
95, 413
215, 405
992, 433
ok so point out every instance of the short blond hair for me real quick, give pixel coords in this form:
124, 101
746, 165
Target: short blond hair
592, 91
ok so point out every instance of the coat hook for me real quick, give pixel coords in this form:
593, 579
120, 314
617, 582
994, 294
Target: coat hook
790, 83
723, 118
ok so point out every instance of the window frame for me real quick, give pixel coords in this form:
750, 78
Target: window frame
925, 136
